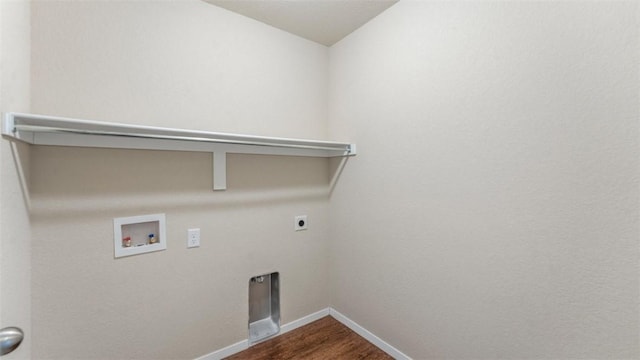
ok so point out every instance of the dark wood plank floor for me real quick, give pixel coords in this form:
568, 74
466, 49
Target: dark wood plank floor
323, 339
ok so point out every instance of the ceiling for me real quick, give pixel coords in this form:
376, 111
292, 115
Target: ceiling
323, 21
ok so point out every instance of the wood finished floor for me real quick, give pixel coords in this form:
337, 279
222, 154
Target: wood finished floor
322, 339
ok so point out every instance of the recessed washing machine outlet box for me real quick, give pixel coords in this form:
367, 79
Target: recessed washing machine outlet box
139, 234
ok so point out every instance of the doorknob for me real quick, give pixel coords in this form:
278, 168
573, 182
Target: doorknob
10, 338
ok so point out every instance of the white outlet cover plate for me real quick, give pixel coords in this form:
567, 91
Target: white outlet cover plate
297, 220
193, 238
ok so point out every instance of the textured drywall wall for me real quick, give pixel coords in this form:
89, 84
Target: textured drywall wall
15, 238
178, 64
492, 210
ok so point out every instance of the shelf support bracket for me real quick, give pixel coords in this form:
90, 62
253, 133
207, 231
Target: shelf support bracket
219, 170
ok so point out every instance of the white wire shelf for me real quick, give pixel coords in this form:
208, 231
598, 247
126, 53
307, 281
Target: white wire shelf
59, 131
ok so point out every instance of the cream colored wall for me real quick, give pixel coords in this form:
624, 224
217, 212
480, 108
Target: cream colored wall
492, 210
15, 238
179, 64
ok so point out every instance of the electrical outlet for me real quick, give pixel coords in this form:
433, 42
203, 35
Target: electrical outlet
193, 238
300, 222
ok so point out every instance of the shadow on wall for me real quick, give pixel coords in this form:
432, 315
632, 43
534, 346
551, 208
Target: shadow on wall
21, 155
336, 165
76, 182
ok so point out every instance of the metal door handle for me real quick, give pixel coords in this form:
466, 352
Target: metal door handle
10, 339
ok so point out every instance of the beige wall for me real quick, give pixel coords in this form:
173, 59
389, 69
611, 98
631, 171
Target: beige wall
179, 64
15, 232
492, 210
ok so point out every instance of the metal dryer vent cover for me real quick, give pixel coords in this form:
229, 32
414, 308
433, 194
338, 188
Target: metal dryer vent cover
264, 307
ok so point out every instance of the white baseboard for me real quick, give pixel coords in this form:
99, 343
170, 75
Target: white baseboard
305, 320
226, 351
244, 344
381, 344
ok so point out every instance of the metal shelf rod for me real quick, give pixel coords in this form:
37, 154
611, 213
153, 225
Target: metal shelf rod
60, 131
17, 122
